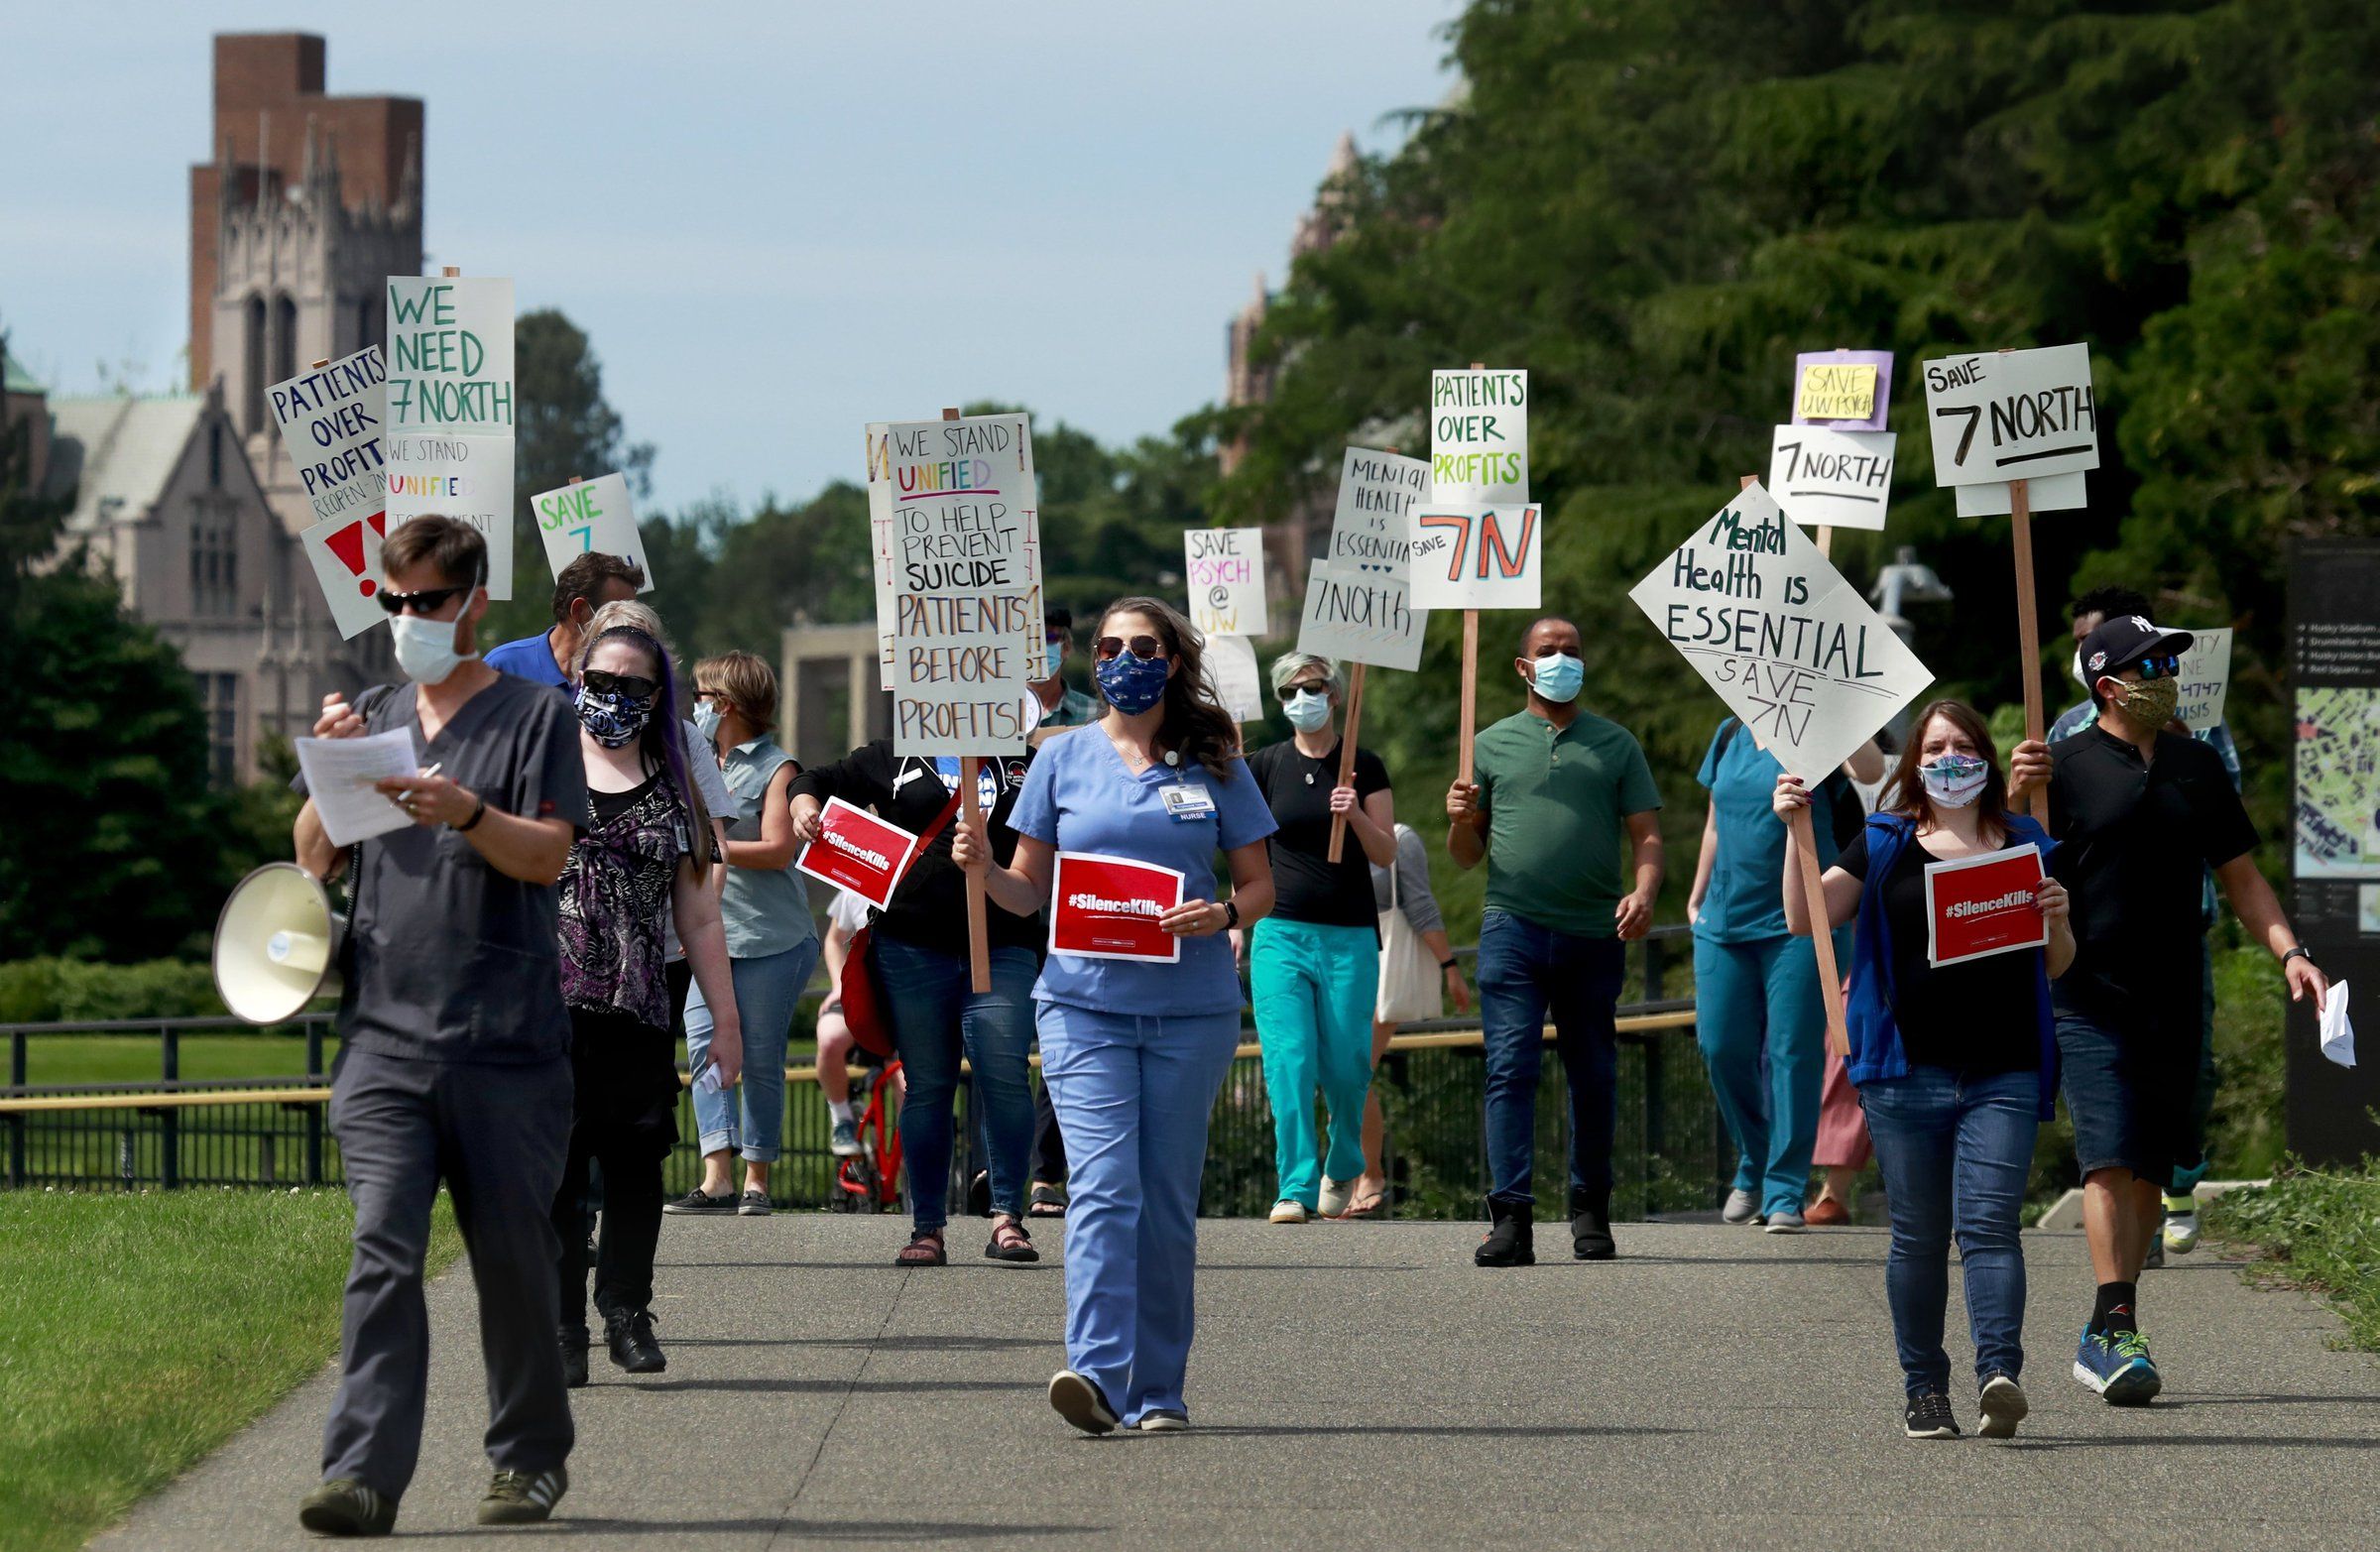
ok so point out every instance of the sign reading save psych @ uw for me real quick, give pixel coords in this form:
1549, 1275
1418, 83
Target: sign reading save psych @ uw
963, 545
1106, 907
330, 422
1791, 647
2014, 415
859, 852
590, 515
449, 439
1225, 569
1978, 906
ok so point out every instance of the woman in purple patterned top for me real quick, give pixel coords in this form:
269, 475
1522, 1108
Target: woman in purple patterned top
643, 858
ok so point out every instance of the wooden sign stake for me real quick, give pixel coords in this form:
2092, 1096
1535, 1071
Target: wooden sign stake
1471, 673
319, 365
971, 811
2028, 625
1826, 540
1347, 756
451, 271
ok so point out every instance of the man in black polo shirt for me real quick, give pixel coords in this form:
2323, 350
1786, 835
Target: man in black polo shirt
2137, 811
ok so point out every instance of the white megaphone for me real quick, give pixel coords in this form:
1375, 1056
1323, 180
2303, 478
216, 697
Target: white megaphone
277, 944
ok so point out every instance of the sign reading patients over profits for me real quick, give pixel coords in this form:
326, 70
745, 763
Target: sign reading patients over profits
590, 515
1830, 478
1850, 390
2013, 414
1791, 647
1356, 616
330, 422
1479, 437
2206, 680
1378, 492
1226, 572
449, 439
964, 546
1478, 557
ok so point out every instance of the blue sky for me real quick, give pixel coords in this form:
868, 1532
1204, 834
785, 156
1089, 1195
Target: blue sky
778, 222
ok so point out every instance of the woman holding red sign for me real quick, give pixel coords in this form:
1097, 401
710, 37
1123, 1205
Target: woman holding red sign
1138, 1026
1955, 1064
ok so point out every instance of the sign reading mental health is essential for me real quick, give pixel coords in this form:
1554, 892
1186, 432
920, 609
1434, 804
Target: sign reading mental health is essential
1106, 907
345, 556
2015, 414
1225, 569
1479, 437
1824, 477
1370, 529
1361, 617
449, 438
1478, 557
1229, 662
590, 515
1850, 390
2050, 493
1791, 647
1978, 906
859, 852
2206, 680
963, 543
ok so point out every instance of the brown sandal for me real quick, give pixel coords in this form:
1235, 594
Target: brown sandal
924, 1249
1009, 1241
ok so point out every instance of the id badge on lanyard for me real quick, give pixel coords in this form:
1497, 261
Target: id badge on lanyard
1187, 802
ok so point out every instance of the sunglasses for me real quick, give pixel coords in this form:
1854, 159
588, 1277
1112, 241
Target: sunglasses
1304, 687
1144, 647
428, 601
2154, 668
634, 686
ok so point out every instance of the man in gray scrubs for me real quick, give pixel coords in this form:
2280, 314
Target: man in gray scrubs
455, 1057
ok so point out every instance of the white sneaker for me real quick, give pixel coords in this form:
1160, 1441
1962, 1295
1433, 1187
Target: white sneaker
1163, 1419
1743, 1208
2180, 1224
1287, 1211
1336, 1194
1785, 1223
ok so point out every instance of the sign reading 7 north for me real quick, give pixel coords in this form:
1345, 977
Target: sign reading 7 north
2017, 415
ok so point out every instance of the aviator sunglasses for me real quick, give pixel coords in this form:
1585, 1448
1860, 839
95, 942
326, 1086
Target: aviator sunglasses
1143, 646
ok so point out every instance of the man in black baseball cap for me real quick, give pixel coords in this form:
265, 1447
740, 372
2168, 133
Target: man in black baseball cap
2137, 810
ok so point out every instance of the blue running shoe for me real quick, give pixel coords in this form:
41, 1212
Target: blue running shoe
2117, 1366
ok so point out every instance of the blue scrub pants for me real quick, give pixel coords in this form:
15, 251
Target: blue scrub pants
1134, 1092
1761, 1022
1314, 989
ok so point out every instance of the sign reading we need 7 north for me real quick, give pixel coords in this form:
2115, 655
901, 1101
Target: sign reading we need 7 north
449, 438
2014, 415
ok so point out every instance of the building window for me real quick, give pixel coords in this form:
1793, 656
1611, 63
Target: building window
214, 559
252, 396
219, 695
285, 339
214, 455
369, 317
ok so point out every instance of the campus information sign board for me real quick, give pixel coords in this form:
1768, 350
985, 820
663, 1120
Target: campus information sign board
449, 438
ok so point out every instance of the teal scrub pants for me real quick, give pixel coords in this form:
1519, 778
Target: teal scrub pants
1313, 989
1763, 1027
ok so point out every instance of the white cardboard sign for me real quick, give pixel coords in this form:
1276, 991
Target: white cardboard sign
1361, 617
1225, 573
1824, 477
345, 553
1791, 647
449, 438
330, 419
1377, 493
2206, 680
2050, 493
589, 515
1478, 557
2017, 415
466, 477
1231, 668
1479, 437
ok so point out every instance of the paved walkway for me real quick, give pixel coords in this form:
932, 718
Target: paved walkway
1362, 1386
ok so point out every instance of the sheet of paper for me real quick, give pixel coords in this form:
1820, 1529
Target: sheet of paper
339, 773
2338, 1036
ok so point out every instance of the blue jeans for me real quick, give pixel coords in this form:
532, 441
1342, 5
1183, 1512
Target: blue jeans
1314, 987
935, 1018
767, 990
1526, 971
1955, 1153
1762, 1026
1134, 1092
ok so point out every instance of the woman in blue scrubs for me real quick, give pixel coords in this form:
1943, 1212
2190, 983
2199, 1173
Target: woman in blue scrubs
1134, 1050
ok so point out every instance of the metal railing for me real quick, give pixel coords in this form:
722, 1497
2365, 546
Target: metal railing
1669, 1150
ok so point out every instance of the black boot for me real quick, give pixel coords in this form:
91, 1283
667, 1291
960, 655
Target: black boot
1590, 1226
574, 1355
634, 1348
1509, 1241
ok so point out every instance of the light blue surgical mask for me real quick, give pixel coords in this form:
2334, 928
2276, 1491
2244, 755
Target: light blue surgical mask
706, 719
1307, 711
1559, 678
1056, 652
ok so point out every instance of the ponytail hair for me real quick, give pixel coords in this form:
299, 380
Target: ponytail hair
1195, 727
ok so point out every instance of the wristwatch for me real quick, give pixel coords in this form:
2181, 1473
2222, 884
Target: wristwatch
1231, 915
477, 814
2301, 951
1446, 964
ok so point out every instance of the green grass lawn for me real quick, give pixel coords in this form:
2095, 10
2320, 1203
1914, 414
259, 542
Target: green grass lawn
77, 1059
139, 1332
2322, 1229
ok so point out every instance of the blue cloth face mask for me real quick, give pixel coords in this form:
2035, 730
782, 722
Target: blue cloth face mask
1307, 712
1953, 781
1133, 684
1559, 678
614, 720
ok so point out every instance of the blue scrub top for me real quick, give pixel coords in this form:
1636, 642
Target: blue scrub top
1746, 900
1079, 797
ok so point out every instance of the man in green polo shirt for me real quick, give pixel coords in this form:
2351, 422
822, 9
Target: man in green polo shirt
1557, 789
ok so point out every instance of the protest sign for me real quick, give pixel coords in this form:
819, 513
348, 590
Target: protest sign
1476, 557
1479, 437
1824, 476
1225, 569
590, 515
1106, 907
1978, 906
2012, 414
1377, 493
1360, 617
1229, 662
1850, 390
450, 436
330, 419
856, 851
2050, 493
880, 544
346, 555
2206, 680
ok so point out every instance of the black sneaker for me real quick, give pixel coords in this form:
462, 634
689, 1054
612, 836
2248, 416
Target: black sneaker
700, 1201
754, 1204
1590, 1227
520, 1499
1928, 1417
343, 1507
633, 1343
575, 1343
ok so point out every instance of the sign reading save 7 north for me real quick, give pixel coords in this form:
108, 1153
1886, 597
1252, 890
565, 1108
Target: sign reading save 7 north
2014, 415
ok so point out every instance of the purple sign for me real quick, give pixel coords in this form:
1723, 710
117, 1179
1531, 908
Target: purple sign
1849, 390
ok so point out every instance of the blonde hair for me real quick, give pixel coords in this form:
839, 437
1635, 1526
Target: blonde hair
748, 683
623, 614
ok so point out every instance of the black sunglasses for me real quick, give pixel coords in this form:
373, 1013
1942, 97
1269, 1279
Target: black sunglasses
1141, 646
428, 601
603, 682
1304, 687
2153, 668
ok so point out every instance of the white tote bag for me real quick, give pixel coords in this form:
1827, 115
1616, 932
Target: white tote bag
1410, 976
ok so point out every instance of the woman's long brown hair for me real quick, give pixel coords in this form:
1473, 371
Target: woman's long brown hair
1907, 793
1195, 725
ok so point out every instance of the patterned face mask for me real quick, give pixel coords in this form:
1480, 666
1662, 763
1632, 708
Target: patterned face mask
2149, 704
1953, 781
615, 720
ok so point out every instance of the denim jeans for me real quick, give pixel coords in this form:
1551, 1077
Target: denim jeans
1526, 971
1955, 1153
767, 990
935, 1018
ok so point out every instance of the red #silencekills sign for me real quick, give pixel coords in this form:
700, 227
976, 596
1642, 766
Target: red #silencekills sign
859, 852
1977, 906
1106, 907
